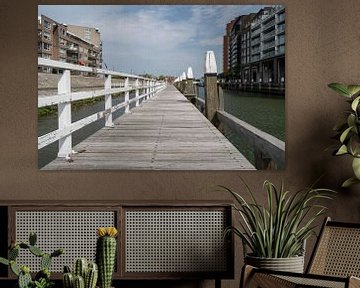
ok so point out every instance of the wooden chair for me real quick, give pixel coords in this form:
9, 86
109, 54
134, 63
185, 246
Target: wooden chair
334, 263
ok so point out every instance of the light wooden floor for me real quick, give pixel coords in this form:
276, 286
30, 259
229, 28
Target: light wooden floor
166, 132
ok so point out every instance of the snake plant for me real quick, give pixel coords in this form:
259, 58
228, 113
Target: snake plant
279, 228
348, 133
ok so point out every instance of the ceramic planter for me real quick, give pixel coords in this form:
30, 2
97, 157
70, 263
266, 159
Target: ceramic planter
291, 264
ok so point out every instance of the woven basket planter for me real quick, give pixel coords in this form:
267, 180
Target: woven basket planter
291, 264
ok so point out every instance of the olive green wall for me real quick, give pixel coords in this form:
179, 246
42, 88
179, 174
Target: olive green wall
322, 46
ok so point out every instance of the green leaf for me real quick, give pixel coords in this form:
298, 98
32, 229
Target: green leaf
342, 150
356, 167
340, 88
353, 89
349, 182
355, 103
351, 120
345, 134
4, 261
354, 145
14, 268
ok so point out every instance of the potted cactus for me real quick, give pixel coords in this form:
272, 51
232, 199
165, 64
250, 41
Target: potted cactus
106, 254
84, 275
42, 278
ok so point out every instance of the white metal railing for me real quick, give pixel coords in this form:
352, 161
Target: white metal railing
64, 97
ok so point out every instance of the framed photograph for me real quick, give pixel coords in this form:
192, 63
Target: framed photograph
161, 87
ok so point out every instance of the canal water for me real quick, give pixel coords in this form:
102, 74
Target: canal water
264, 111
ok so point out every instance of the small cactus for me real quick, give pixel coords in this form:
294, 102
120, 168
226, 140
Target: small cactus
42, 278
14, 268
91, 276
32, 239
81, 267
36, 251
68, 280
106, 254
79, 282
24, 280
45, 261
13, 253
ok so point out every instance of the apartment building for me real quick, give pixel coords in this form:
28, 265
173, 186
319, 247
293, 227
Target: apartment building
268, 46
257, 47
226, 47
68, 43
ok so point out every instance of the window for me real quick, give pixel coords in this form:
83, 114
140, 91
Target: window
47, 24
47, 46
47, 36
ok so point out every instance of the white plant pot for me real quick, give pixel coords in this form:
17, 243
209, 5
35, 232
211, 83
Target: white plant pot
291, 264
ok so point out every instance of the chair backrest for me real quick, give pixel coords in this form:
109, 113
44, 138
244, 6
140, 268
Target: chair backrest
337, 251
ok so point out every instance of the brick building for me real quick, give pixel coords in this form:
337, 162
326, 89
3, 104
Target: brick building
68, 43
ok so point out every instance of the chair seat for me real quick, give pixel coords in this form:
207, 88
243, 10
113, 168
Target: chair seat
267, 279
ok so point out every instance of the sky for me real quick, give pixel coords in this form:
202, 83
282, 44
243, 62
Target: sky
155, 39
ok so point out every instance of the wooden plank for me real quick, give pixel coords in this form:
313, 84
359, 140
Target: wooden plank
166, 132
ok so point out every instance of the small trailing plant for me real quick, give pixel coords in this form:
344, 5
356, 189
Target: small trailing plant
42, 278
349, 132
279, 229
84, 275
106, 254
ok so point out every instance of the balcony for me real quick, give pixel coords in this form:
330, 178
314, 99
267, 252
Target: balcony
255, 58
268, 54
255, 32
255, 51
269, 24
255, 42
269, 35
280, 29
92, 56
281, 41
269, 45
72, 48
280, 18
280, 50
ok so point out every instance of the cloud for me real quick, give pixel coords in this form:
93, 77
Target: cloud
159, 39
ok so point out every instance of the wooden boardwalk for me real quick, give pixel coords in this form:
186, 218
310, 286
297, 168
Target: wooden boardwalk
166, 132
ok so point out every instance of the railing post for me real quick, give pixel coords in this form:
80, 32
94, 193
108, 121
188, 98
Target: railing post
137, 103
147, 89
108, 102
127, 93
212, 99
189, 91
64, 114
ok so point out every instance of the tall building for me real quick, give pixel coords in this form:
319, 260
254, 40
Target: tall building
240, 43
68, 43
268, 46
257, 46
226, 47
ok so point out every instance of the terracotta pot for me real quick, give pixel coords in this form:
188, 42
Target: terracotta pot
291, 264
